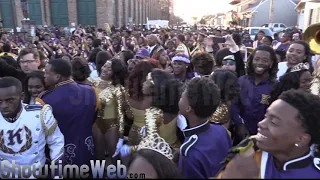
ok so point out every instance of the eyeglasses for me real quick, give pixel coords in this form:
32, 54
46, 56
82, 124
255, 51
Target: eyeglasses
22, 61
228, 62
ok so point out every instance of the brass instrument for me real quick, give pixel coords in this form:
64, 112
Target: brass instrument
312, 36
250, 49
84, 44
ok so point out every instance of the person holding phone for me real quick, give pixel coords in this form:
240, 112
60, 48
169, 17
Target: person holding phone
228, 57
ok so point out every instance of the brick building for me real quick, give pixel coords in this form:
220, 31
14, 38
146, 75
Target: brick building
84, 12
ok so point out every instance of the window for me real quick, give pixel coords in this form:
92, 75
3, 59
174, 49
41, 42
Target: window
282, 25
276, 25
318, 17
310, 16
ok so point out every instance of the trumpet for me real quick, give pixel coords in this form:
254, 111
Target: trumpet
250, 49
312, 36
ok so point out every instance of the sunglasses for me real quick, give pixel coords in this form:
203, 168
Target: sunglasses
228, 62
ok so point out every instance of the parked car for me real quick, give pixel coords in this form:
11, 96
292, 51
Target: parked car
253, 31
275, 27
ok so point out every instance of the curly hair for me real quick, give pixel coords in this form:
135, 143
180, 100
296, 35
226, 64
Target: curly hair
137, 77
273, 70
119, 72
227, 82
166, 96
308, 106
80, 70
307, 52
203, 96
203, 63
165, 91
290, 80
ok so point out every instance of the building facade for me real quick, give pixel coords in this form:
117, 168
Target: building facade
257, 12
309, 13
84, 12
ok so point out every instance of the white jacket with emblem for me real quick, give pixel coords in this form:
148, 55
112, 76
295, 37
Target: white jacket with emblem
24, 140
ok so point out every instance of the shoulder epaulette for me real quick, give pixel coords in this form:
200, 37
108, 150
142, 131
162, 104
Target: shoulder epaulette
34, 107
185, 147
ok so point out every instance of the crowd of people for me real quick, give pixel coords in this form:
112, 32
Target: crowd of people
168, 103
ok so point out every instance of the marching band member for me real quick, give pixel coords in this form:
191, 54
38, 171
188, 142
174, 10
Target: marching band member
287, 143
200, 45
6, 48
109, 125
25, 130
198, 158
255, 91
67, 97
162, 114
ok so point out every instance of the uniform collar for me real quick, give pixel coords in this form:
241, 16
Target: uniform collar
196, 130
12, 120
64, 82
299, 163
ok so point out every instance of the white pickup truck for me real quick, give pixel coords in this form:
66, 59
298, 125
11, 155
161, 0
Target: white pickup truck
157, 24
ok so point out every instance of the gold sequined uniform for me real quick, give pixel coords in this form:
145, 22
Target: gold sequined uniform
110, 114
138, 122
169, 133
221, 115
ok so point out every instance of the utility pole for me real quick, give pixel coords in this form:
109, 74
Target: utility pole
271, 12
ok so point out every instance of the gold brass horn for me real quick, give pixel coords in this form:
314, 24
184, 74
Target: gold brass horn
250, 49
312, 36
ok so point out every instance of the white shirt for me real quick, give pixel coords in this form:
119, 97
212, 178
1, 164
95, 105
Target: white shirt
151, 48
27, 131
283, 67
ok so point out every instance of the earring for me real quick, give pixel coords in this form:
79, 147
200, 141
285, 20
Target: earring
296, 145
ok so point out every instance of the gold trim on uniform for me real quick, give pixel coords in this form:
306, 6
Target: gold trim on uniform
63, 83
51, 130
108, 93
220, 115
